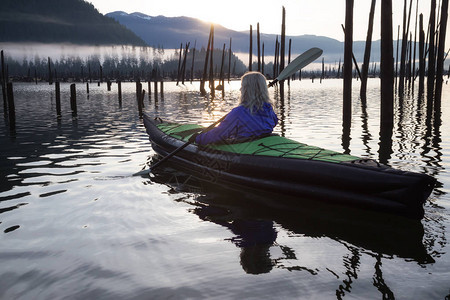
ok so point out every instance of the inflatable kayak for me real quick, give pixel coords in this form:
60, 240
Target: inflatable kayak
276, 164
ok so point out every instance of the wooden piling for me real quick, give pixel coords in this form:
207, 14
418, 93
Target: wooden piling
347, 95
229, 62
431, 56
250, 59
289, 60
193, 60
183, 66
396, 59
262, 59
119, 90
87, 87
162, 89
156, 90
259, 46
58, 98
211, 66
179, 64
73, 99
50, 79
205, 67
141, 102
3, 83
387, 68
440, 57
421, 55
365, 66
414, 72
11, 106
149, 83
275, 59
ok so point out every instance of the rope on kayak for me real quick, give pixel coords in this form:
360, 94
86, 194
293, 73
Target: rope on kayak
291, 151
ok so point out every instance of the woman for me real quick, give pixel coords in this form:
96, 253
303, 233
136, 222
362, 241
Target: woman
252, 118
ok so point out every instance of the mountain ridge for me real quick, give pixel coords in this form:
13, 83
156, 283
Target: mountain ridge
170, 32
55, 21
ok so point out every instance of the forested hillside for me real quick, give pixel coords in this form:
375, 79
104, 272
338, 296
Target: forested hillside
58, 21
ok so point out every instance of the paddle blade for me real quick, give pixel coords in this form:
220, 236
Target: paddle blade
300, 62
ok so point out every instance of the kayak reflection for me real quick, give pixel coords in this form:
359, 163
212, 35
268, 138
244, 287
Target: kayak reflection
253, 219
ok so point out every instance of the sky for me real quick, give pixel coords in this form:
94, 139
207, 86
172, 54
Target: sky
315, 17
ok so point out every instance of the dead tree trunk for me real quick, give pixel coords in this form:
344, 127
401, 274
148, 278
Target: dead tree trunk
365, 66
421, 55
347, 106
431, 55
250, 58
387, 68
259, 47
440, 58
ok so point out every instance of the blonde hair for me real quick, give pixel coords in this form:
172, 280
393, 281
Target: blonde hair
254, 92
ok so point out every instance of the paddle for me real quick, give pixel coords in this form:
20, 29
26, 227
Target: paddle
298, 63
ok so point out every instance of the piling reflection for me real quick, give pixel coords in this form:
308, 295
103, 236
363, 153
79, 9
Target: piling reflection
253, 219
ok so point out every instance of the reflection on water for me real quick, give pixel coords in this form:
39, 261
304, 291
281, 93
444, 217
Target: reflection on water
71, 215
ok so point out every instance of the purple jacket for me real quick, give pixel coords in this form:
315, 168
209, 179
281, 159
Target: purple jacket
240, 123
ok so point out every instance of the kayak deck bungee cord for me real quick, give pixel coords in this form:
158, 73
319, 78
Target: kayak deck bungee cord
281, 165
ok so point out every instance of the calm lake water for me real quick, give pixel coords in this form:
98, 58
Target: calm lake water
75, 224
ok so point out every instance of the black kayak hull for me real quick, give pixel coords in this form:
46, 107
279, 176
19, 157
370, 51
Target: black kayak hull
361, 183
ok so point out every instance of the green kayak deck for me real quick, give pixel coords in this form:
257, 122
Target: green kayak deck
273, 145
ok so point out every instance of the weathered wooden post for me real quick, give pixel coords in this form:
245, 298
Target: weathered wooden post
179, 63
221, 77
250, 59
229, 62
365, 66
11, 106
156, 90
3, 83
183, 67
87, 88
440, 57
431, 54
262, 59
259, 47
211, 67
50, 79
289, 61
119, 90
58, 98
421, 56
275, 62
162, 89
193, 60
401, 84
205, 67
347, 105
387, 69
89, 70
282, 49
414, 72
73, 99
323, 70
141, 101
396, 57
